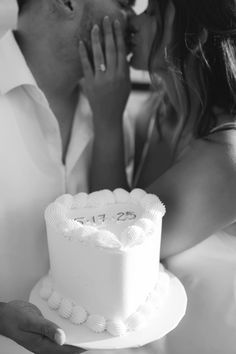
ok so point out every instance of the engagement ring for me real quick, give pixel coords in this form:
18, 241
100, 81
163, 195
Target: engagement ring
102, 67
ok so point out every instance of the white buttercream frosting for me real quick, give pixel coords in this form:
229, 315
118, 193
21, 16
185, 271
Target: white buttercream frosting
136, 321
116, 328
132, 236
121, 195
87, 233
152, 202
57, 214
105, 238
66, 308
146, 225
77, 315
137, 194
108, 196
80, 200
146, 309
54, 300
95, 199
96, 323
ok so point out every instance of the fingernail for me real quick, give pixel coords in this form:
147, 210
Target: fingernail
82, 47
95, 28
106, 19
60, 337
117, 23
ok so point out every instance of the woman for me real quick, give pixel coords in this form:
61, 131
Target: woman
190, 47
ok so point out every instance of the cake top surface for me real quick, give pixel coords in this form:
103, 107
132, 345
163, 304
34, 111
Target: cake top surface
109, 219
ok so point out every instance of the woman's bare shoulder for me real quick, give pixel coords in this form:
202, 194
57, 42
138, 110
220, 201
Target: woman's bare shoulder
219, 148
212, 158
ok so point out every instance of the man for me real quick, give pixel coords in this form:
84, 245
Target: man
46, 141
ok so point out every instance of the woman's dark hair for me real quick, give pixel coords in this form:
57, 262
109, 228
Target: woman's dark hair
215, 57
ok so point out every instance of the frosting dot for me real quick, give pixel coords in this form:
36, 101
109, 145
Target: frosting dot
151, 201
55, 213
155, 299
54, 301
65, 199
153, 214
80, 200
146, 309
132, 236
65, 309
108, 196
116, 328
137, 195
96, 323
147, 225
70, 228
88, 232
107, 239
121, 195
79, 315
135, 321
95, 199
46, 289
74, 233
73, 224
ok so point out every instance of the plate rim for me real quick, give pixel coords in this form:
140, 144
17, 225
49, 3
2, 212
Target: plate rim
127, 341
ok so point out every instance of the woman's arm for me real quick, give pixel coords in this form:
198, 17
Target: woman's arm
199, 192
107, 91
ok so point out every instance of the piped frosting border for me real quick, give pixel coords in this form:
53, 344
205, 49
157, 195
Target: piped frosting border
56, 214
77, 314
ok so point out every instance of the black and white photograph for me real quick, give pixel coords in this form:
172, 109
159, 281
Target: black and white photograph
118, 176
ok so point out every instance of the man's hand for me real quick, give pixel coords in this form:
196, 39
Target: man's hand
23, 323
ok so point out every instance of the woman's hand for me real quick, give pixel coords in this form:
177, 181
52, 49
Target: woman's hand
23, 323
106, 81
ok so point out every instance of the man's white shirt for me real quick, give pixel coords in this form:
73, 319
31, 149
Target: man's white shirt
32, 173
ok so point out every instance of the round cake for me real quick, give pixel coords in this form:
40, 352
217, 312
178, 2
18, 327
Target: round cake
104, 250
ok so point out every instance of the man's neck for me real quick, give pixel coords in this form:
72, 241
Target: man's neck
57, 79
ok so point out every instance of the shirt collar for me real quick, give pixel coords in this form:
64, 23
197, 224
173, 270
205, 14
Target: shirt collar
14, 71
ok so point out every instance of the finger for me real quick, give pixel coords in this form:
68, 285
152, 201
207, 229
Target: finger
39, 325
37, 343
121, 48
86, 65
168, 25
98, 56
110, 47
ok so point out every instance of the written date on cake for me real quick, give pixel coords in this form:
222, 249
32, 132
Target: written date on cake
106, 218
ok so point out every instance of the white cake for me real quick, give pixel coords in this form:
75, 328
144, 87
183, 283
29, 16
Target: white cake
104, 252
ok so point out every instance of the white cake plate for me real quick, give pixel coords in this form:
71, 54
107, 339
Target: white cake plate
164, 321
